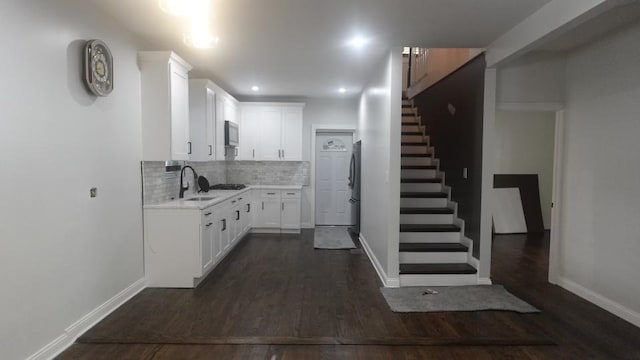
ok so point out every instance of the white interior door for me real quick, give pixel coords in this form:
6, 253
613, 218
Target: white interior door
333, 156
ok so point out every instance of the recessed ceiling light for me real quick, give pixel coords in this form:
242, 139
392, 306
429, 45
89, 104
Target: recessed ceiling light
358, 42
342, 90
255, 88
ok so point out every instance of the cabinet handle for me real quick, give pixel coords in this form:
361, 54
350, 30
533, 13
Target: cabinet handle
239, 199
283, 153
282, 206
210, 150
189, 144
279, 154
207, 214
291, 193
209, 224
248, 208
237, 214
233, 202
224, 224
271, 193
263, 205
254, 153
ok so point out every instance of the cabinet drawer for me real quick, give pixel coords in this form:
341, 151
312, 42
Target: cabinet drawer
291, 194
270, 194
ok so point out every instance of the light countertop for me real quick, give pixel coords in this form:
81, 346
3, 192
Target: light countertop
218, 196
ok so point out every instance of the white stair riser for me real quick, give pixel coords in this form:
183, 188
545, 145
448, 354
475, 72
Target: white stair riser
419, 187
426, 161
432, 257
408, 112
417, 174
439, 280
426, 219
422, 202
430, 237
406, 102
413, 138
415, 149
411, 128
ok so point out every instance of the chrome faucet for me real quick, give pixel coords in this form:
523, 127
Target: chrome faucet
182, 187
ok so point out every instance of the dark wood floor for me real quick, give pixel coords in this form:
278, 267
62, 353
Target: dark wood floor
277, 296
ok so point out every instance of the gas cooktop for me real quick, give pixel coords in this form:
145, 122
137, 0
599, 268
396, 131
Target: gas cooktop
228, 187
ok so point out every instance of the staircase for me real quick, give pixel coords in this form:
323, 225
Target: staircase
433, 249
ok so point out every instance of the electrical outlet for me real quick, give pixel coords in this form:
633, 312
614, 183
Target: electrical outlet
93, 192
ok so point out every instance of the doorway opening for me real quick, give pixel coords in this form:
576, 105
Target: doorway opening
526, 195
333, 152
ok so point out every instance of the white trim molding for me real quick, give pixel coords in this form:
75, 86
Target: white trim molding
386, 281
603, 302
76, 329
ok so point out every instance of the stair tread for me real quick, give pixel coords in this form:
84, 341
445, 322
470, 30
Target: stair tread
410, 123
421, 181
437, 269
419, 143
424, 195
429, 228
433, 247
426, 210
415, 155
418, 167
412, 133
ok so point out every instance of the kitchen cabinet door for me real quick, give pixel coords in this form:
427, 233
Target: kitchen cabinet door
246, 216
290, 214
220, 149
249, 133
202, 119
225, 239
270, 210
207, 255
219, 240
236, 223
292, 133
270, 124
180, 144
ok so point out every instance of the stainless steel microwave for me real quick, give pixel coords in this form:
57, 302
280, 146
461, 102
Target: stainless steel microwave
231, 137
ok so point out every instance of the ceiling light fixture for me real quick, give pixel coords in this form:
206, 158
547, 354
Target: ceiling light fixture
358, 42
255, 88
177, 7
342, 90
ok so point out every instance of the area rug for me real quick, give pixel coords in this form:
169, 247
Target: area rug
332, 237
454, 298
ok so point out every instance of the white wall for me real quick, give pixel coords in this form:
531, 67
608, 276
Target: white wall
63, 254
325, 113
600, 246
524, 144
379, 128
534, 79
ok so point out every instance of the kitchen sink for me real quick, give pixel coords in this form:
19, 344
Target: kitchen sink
202, 198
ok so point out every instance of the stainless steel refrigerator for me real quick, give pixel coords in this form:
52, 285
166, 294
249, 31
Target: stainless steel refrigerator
354, 185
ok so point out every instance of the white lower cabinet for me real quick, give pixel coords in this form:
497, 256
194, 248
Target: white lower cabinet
183, 245
279, 211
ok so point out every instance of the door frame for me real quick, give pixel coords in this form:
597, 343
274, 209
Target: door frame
555, 237
315, 129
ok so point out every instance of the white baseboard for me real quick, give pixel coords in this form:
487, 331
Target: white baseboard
484, 281
76, 329
386, 281
603, 302
307, 226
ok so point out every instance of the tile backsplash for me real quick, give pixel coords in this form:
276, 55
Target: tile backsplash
159, 185
268, 172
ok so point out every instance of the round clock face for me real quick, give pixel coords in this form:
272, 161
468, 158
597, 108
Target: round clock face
98, 68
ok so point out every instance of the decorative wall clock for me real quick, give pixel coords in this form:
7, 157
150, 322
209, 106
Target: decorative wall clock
98, 68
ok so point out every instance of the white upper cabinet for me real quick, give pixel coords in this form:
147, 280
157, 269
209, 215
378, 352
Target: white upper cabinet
202, 115
271, 131
292, 134
165, 106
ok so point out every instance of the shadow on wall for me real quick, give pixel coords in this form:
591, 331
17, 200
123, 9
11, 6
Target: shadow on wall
75, 74
453, 111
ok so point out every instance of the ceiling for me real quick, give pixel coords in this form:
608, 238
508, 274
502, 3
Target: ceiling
297, 48
619, 16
